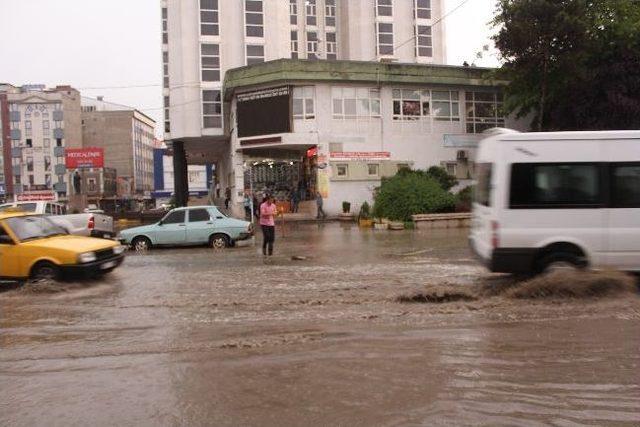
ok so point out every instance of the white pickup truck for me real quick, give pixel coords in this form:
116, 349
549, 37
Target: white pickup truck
81, 224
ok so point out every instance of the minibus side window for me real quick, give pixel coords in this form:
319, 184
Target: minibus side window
625, 185
555, 186
483, 187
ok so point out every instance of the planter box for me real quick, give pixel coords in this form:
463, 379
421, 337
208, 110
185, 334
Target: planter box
346, 217
365, 223
396, 225
381, 226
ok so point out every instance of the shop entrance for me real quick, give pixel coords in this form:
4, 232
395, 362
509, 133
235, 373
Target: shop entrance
289, 175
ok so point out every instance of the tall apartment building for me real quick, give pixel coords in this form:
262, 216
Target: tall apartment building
127, 137
202, 39
39, 124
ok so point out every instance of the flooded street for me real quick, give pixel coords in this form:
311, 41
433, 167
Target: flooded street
373, 328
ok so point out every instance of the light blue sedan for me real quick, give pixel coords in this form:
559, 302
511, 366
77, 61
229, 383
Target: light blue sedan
197, 225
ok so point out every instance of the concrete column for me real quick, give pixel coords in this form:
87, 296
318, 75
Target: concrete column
180, 174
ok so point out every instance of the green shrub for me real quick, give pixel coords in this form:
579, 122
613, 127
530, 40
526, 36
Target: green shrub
346, 207
409, 193
464, 198
365, 211
446, 181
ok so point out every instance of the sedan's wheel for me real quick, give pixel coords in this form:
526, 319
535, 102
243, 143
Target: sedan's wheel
45, 271
140, 244
219, 241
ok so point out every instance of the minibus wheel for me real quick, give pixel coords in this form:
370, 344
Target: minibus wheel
561, 261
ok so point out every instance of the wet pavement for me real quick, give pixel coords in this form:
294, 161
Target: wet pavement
197, 337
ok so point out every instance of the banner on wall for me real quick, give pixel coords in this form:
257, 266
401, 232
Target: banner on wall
360, 155
84, 158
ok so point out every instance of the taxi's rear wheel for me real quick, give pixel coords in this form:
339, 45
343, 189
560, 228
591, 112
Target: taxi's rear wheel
45, 271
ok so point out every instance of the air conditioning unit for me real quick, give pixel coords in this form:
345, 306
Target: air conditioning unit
462, 155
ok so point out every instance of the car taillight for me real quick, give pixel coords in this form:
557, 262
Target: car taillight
92, 223
495, 234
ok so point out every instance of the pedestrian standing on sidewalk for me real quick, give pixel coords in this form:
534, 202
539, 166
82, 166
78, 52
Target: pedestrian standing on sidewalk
268, 212
319, 203
227, 197
294, 201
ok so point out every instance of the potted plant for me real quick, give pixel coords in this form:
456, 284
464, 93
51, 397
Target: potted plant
381, 224
364, 219
346, 214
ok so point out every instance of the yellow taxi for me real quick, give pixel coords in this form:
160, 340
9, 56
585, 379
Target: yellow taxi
31, 246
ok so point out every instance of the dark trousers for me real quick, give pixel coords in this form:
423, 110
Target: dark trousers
268, 237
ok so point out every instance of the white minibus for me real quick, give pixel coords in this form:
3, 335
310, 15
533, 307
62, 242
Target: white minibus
552, 200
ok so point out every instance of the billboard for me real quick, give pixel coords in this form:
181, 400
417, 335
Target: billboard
84, 158
36, 196
264, 112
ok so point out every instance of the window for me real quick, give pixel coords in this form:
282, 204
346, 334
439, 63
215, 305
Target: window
199, 215
384, 7
27, 124
332, 46
625, 185
330, 13
411, 104
311, 12
29, 164
91, 185
555, 185
403, 166
165, 69
294, 44
210, 61
312, 45
45, 125
58, 142
422, 9
46, 143
211, 109
31, 181
446, 105
385, 38
484, 111
450, 167
176, 217
483, 187
303, 102
165, 26
47, 163
424, 43
209, 18
355, 103
342, 170
255, 54
254, 20
293, 12
373, 169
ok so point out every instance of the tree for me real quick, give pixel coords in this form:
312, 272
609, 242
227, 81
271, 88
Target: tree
572, 64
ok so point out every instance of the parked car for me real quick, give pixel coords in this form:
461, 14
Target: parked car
554, 200
92, 224
201, 225
33, 246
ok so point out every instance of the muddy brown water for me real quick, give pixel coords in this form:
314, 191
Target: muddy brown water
196, 337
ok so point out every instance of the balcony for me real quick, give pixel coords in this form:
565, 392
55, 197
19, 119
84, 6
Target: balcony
60, 169
14, 116
16, 152
58, 115
58, 133
16, 134
60, 187
58, 151
17, 170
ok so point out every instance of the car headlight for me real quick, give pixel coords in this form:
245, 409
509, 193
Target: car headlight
87, 257
118, 249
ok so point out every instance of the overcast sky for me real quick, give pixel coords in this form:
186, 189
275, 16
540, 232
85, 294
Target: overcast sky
98, 45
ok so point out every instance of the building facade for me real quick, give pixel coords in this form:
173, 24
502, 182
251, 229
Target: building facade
127, 137
42, 124
341, 135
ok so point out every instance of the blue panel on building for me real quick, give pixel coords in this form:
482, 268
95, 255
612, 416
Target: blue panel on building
158, 169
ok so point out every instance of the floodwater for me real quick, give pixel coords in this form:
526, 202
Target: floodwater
373, 328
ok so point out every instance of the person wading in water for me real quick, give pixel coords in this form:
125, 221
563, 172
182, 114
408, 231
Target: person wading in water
268, 212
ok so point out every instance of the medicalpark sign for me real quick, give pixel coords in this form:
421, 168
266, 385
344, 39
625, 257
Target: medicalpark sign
80, 158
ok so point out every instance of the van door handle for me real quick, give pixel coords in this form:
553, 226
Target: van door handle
181, 225
210, 223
